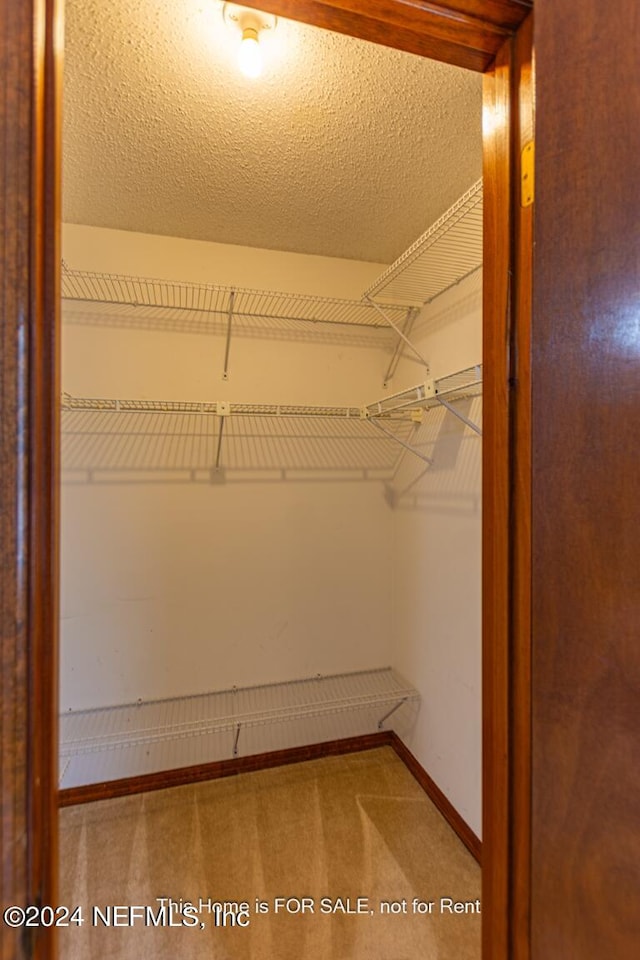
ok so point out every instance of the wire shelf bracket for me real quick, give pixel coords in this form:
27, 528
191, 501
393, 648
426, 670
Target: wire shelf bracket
227, 346
390, 713
397, 353
470, 423
403, 337
403, 443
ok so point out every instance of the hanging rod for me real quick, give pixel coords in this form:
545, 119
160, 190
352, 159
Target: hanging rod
214, 299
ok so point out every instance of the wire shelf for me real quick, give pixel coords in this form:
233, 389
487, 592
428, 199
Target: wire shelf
215, 409
456, 386
129, 725
445, 254
148, 443
214, 300
106, 438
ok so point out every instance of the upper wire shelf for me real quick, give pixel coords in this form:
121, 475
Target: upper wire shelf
449, 251
211, 299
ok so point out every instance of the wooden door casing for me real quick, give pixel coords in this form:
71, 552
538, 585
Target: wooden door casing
29, 164
475, 34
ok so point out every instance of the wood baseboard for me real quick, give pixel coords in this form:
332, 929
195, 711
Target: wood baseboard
220, 768
277, 758
437, 797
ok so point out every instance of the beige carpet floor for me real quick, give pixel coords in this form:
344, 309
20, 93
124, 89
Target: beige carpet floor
339, 827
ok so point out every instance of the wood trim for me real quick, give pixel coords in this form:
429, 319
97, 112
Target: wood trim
220, 768
496, 452
29, 216
507, 506
439, 800
521, 493
45, 463
467, 33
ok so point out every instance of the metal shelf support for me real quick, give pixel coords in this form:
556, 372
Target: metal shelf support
460, 416
225, 373
397, 329
390, 712
395, 359
403, 443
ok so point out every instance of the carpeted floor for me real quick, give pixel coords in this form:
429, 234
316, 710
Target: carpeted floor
357, 826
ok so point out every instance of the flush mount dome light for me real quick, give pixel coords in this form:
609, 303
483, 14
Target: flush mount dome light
248, 23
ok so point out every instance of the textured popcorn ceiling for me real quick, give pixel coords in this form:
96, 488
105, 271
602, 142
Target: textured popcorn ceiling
341, 148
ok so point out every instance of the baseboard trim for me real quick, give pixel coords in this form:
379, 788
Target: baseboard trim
437, 797
181, 776
221, 768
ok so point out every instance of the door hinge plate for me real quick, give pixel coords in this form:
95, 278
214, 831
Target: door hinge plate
526, 174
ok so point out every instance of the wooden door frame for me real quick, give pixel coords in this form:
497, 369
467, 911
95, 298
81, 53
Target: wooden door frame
29, 400
490, 36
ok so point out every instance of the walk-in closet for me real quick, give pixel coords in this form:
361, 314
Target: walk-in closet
272, 398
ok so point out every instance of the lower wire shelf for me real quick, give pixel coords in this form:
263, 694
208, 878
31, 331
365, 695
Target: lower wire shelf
112, 742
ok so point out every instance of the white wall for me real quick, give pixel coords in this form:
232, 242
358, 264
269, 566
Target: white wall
437, 560
171, 586
199, 261
174, 586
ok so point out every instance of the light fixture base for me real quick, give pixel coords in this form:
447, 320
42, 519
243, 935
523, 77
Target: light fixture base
244, 18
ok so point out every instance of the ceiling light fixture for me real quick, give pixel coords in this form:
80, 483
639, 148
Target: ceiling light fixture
248, 23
